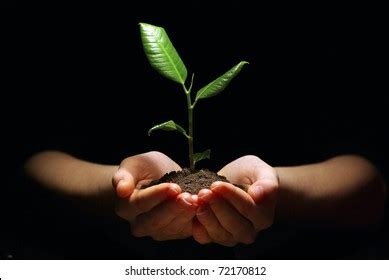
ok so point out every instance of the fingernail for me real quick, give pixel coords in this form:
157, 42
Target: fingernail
215, 185
205, 195
173, 190
183, 203
188, 197
257, 192
195, 199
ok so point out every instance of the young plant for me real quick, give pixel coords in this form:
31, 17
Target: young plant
164, 58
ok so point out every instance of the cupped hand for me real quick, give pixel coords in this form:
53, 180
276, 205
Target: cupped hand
228, 215
161, 211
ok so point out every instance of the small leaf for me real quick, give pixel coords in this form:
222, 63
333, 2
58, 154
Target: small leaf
218, 85
168, 126
161, 53
200, 156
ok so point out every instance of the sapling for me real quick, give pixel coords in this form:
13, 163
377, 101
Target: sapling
164, 58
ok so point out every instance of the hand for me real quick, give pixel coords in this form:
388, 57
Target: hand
228, 215
160, 211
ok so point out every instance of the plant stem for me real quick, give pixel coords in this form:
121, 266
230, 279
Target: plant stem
190, 139
190, 123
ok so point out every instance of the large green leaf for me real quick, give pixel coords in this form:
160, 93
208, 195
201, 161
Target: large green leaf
161, 53
200, 156
218, 85
168, 126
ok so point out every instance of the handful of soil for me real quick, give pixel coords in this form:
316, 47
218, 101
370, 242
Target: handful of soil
190, 180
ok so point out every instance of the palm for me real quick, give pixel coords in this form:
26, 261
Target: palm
230, 215
160, 211
150, 166
248, 170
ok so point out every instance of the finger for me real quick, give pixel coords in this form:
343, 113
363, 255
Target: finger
195, 199
243, 171
266, 196
161, 216
163, 236
162, 162
200, 234
238, 198
143, 200
176, 226
204, 196
123, 182
263, 189
122, 209
239, 227
215, 230
187, 232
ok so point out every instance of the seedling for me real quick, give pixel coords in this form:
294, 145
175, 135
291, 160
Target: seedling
164, 58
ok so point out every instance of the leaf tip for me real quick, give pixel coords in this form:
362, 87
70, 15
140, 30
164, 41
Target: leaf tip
144, 26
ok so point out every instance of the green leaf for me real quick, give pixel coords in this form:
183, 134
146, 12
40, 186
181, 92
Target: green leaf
168, 126
200, 156
161, 53
220, 83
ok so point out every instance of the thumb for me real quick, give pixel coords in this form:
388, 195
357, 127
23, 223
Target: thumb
123, 182
263, 190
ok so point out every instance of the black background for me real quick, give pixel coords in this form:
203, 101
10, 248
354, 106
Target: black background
80, 82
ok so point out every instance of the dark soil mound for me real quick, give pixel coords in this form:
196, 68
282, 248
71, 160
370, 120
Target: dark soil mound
190, 180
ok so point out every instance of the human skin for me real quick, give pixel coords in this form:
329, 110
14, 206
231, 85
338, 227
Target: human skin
161, 211
345, 190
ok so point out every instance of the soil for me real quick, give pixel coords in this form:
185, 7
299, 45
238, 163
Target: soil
190, 180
